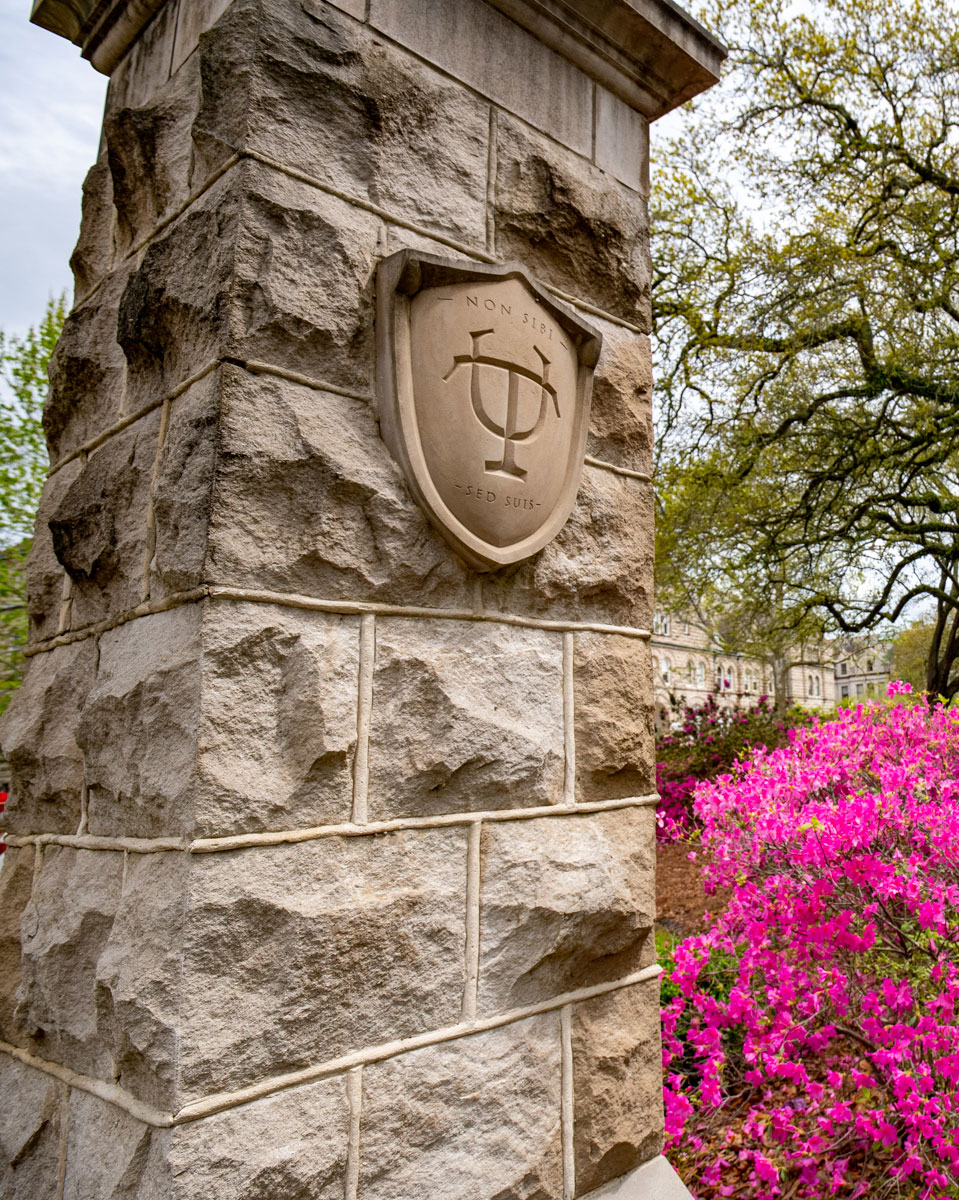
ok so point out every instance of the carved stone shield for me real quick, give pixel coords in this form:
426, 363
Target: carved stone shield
483, 385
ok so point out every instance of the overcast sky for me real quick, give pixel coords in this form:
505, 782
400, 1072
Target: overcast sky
51, 104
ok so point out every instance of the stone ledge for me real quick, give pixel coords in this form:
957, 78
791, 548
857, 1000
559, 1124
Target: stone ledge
654, 1180
103, 29
649, 53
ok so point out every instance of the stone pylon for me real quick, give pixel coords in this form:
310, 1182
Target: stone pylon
331, 858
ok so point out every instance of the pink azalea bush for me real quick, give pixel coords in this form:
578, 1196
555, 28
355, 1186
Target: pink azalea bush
811, 1035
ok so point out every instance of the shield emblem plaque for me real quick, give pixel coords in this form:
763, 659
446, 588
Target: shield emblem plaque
483, 386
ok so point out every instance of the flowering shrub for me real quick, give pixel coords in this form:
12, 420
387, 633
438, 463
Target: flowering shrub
704, 742
811, 1037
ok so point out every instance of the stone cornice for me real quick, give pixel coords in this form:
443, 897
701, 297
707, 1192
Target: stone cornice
103, 29
650, 53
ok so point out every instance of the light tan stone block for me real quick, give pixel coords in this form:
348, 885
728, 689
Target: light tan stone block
617, 1084
329, 97
30, 1117
622, 141
570, 223
314, 504
174, 319
292, 1144
621, 414
108, 1151
298, 954
465, 717
278, 722
65, 927
483, 48
99, 527
138, 728
613, 706
16, 883
150, 152
87, 370
599, 565
565, 902
44, 572
39, 739
183, 490
479, 1117
93, 255
138, 977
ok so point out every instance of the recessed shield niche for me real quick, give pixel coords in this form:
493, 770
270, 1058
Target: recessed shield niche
484, 384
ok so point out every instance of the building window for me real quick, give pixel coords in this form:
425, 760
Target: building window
843, 669
859, 689
845, 692
661, 623
869, 665
666, 670
685, 627
701, 674
690, 670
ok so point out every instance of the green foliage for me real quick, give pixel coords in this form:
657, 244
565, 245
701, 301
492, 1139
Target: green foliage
910, 652
806, 231
23, 463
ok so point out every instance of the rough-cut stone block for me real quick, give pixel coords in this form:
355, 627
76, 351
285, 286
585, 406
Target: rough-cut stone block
465, 717
93, 255
617, 1084
482, 47
621, 414
39, 739
565, 902
278, 727
138, 728
99, 527
138, 977
174, 318
326, 96
87, 371
302, 297
196, 17
297, 954
44, 572
479, 1117
622, 141
16, 883
313, 503
613, 706
30, 1117
570, 223
147, 65
598, 566
150, 152
289, 1145
107, 1151
183, 489
65, 927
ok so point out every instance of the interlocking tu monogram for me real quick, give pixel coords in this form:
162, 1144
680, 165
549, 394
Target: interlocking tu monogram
508, 431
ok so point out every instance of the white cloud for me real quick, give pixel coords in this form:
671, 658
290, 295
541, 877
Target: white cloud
51, 104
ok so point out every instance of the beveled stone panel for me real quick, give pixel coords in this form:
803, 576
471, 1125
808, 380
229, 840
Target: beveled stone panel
39, 738
621, 415
31, 1113
301, 953
44, 572
565, 902
465, 717
107, 1152
16, 884
476, 1117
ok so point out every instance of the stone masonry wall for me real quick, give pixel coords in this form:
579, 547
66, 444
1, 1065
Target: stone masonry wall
331, 861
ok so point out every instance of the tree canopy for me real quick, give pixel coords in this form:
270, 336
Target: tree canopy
806, 315
23, 463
